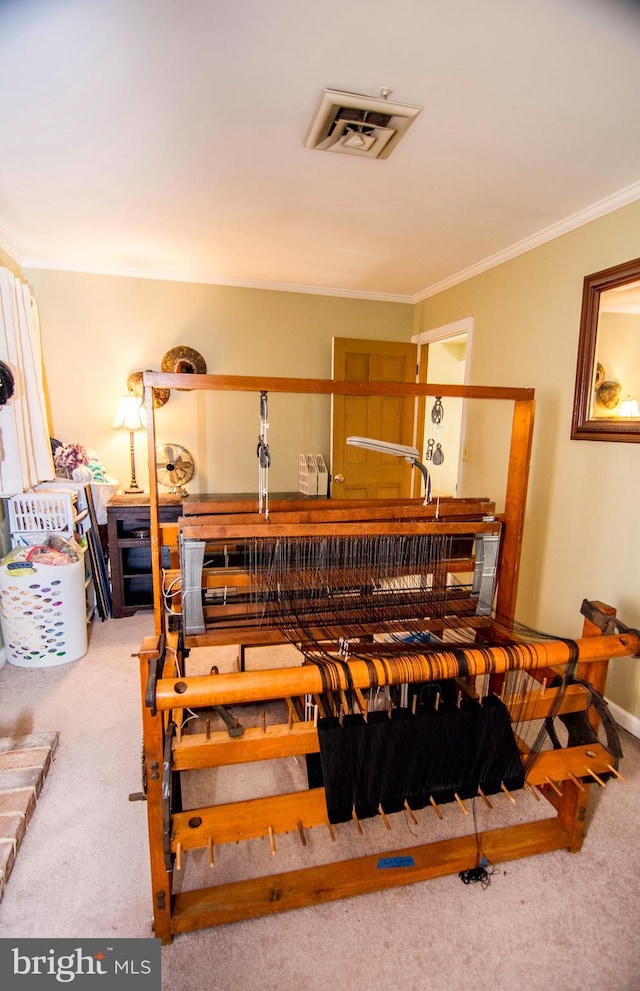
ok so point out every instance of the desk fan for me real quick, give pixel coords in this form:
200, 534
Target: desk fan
174, 468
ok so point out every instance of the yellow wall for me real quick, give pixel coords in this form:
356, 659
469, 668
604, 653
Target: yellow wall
96, 330
583, 523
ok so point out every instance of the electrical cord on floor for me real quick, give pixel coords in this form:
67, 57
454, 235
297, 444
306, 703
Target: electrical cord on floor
484, 870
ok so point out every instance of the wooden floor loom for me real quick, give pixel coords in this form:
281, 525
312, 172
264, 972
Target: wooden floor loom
382, 649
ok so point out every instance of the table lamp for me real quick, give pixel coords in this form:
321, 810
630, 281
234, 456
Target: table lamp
130, 417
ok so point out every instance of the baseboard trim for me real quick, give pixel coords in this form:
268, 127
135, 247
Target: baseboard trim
625, 719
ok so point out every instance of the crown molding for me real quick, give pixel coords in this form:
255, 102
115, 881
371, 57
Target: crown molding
213, 280
607, 205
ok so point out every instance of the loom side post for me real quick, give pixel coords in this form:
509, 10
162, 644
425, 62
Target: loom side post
515, 505
153, 755
514, 515
572, 805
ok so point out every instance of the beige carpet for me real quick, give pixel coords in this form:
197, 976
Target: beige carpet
555, 921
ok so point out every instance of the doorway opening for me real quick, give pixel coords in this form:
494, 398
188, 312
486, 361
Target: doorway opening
444, 357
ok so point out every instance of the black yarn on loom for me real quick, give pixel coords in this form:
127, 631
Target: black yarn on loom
437, 753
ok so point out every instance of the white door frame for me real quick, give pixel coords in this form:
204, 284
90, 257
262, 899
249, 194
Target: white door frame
448, 332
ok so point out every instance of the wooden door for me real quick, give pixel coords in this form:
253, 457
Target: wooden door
356, 473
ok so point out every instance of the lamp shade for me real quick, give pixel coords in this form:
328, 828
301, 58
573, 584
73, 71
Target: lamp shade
130, 414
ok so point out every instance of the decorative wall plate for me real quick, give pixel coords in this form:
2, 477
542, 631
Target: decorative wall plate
184, 361
134, 385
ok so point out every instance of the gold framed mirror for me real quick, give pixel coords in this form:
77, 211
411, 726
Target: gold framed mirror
606, 403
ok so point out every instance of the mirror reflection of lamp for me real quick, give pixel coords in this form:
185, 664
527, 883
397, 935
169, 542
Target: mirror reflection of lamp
129, 416
629, 408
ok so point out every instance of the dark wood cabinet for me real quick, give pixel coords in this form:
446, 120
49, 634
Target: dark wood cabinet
128, 529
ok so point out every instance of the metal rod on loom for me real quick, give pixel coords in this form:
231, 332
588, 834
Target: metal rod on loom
277, 683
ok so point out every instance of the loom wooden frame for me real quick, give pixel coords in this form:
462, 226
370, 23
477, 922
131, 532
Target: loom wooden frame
186, 911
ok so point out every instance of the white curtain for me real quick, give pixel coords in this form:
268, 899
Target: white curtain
25, 448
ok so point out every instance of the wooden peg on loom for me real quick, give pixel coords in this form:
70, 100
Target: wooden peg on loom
553, 786
576, 781
507, 792
264, 720
303, 838
533, 791
357, 821
178, 856
435, 807
615, 771
484, 798
290, 715
595, 777
332, 834
383, 817
437, 700
210, 848
461, 804
410, 812
272, 841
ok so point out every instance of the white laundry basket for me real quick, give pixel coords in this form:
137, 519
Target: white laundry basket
42, 611
38, 513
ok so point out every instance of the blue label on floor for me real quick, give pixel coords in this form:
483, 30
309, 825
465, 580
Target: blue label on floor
386, 862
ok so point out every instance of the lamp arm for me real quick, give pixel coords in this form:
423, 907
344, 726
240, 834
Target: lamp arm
426, 476
410, 454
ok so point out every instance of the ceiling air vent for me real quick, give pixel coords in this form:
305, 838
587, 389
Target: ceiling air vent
359, 125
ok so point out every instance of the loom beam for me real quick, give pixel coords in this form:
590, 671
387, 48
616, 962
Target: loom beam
260, 686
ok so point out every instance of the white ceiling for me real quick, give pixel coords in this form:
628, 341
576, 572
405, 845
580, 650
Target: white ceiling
166, 137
